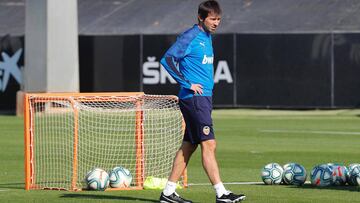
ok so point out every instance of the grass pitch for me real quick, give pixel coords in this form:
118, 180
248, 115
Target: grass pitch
247, 140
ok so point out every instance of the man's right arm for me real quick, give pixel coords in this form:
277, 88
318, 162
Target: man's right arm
169, 64
173, 56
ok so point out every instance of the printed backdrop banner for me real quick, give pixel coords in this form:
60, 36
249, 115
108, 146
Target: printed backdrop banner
309, 70
280, 70
347, 70
11, 64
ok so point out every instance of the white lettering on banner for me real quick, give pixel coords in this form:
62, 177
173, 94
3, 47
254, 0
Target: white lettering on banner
9, 67
222, 72
208, 60
151, 75
154, 73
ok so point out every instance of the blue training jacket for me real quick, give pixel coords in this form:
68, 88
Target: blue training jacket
190, 61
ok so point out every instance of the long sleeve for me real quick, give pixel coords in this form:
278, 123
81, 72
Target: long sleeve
169, 63
190, 61
172, 57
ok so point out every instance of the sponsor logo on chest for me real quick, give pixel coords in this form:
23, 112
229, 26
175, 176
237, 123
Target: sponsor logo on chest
208, 60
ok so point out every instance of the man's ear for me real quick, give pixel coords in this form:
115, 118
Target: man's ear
199, 18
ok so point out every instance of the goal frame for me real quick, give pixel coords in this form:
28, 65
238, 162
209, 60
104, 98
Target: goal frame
139, 133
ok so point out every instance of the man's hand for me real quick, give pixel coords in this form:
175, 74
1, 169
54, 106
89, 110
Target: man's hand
197, 88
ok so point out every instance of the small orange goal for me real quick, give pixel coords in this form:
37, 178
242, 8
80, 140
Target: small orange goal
68, 134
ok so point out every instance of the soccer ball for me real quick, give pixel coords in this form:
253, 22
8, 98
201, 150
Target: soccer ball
321, 175
285, 166
294, 174
272, 174
97, 179
354, 176
351, 166
340, 174
120, 177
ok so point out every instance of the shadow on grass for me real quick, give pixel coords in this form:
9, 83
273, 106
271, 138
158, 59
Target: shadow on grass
12, 186
106, 197
312, 187
344, 187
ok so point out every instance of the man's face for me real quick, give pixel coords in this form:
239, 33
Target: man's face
211, 22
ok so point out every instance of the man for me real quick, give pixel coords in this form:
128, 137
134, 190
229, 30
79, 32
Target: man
193, 53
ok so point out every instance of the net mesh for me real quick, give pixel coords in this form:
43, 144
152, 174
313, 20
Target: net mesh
72, 135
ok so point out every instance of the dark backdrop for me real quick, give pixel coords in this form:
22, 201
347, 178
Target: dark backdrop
312, 70
316, 70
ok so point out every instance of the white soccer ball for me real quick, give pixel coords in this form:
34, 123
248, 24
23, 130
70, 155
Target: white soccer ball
97, 179
120, 177
351, 166
294, 174
285, 166
340, 174
321, 175
354, 176
272, 174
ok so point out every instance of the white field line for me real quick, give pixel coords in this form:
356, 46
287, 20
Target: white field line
311, 132
235, 183
230, 183
3, 190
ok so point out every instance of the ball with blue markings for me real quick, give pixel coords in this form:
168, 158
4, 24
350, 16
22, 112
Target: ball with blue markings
321, 175
120, 177
294, 174
97, 179
354, 176
272, 174
340, 174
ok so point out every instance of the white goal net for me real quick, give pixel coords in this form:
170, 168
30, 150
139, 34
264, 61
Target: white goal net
67, 135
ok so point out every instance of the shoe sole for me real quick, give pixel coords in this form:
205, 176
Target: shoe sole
162, 201
167, 201
233, 201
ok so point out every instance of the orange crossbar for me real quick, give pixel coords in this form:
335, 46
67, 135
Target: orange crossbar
76, 94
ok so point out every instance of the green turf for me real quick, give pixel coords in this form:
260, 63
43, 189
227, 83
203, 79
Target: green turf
247, 140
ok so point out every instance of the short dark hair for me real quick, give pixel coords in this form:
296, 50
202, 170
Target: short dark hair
207, 7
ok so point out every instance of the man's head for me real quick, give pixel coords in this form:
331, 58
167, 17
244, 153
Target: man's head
209, 15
